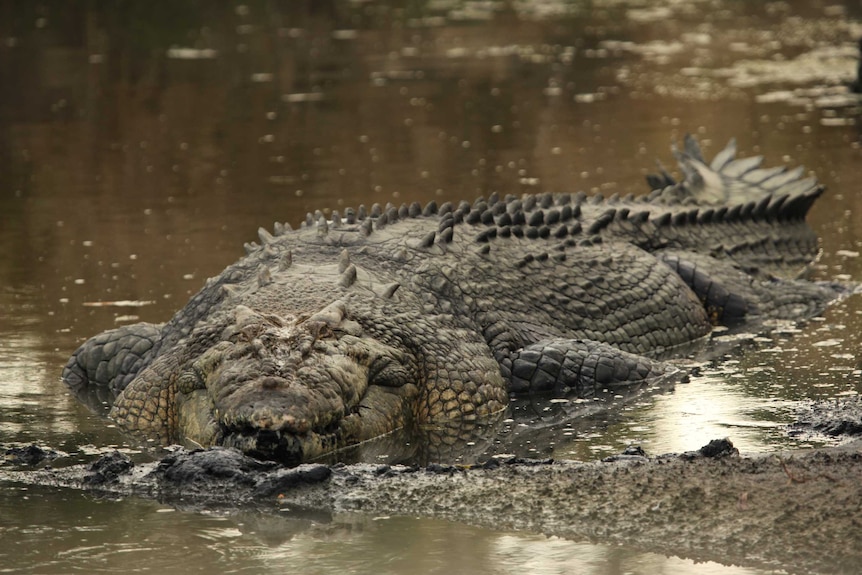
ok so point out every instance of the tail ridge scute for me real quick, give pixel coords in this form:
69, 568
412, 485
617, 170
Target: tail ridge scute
730, 181
724, 156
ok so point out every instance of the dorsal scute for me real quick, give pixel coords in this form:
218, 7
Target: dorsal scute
393, 214
738, 191
265, 237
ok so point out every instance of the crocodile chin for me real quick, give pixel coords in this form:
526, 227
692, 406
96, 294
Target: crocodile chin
292, 390
283, 442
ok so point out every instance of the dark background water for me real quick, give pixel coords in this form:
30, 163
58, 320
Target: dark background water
142, 143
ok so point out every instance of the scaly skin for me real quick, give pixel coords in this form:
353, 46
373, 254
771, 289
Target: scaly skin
340, 332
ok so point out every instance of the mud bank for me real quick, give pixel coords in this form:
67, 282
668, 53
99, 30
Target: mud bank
800, 512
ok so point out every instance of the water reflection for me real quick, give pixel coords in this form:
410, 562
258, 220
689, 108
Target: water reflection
69, 531
142, 143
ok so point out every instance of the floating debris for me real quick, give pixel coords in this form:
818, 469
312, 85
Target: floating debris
589, 98
303, 97
345, 34
119, 303
837, 121
178, 53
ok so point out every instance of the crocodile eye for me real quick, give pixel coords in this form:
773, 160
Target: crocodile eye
305, 344
319, 330
245, 334
348, 327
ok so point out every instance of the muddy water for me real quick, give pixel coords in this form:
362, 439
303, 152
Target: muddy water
140, 146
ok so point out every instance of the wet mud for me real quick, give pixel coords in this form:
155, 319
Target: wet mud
796, 512
839, 417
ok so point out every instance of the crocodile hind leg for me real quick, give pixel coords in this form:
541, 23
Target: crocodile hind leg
582, 366
720, 285
732, 295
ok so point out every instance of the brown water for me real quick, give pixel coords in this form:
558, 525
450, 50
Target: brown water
142, 143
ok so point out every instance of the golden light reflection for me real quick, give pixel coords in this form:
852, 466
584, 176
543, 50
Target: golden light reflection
709, 408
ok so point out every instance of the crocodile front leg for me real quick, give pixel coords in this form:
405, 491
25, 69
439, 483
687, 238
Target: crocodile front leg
583, 366
112, 359
146, 408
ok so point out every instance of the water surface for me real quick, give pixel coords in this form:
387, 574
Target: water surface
141, 145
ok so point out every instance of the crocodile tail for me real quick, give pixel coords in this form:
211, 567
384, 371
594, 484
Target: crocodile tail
730, 181
732, 208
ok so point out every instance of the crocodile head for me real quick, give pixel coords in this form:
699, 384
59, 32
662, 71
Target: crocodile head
278, 387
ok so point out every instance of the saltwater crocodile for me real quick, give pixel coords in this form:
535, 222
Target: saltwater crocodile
369, 321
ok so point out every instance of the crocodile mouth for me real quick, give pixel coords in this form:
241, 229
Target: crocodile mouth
288, 448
